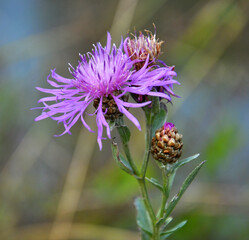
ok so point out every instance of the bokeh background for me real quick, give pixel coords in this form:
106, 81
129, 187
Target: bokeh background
65, 188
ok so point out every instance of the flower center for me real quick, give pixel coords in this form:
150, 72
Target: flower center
109, 106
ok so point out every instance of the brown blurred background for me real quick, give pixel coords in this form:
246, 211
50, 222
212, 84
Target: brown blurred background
65, 188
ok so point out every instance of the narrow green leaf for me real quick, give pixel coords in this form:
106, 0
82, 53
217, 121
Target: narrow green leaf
158, 120
183, 188
165, 236
180, 163
172, 230
164, 222
124, 133
155, 105
123, 130
143, 219
120, 160
154, 182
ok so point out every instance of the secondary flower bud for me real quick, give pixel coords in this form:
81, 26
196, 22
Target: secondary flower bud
166, 145
139, 48
144, 50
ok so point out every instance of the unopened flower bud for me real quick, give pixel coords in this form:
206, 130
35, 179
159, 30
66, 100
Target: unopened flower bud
166, 145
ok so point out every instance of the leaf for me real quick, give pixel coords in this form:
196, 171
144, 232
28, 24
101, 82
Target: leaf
154, 182
165, 236
180, 163
123, 130
184, 187
158, 120
172, 230
120, 160
124, 133
143, 219
155, 105
164, 222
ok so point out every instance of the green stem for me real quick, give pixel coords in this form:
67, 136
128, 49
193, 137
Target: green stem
164, 195
142, 174
123, 135
156, 233
142, 183
129, 158
145, 197
147, 147
168, 178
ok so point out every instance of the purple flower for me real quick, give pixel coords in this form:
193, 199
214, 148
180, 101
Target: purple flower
103, 77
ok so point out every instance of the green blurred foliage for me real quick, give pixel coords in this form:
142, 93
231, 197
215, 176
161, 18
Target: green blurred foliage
222, 144
213, 227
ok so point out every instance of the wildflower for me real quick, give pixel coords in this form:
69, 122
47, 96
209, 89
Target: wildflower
167, 144
103, 77
143, 46
148, 46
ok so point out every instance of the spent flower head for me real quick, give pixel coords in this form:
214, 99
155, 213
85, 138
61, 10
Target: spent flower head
142, 46
103, 77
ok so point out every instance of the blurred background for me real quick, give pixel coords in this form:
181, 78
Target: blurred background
65, 188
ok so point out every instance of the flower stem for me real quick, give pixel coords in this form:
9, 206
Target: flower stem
141, 175
165, 194
146, 200
141, 181
124, 134
129, 158
147, 148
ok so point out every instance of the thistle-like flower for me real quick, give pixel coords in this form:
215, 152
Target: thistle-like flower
103, 77
141, 47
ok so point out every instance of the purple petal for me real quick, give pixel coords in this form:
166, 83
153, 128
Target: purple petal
132, 105
159, 94
59, 78
128, 115
108, 43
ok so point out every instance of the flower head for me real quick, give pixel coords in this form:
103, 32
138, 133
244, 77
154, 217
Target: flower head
142, 46
103, 78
